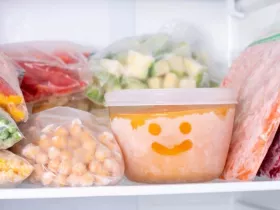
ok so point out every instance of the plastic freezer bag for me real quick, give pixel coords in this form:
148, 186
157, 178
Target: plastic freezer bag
51, 68
257, 115
68, 147
9, 132
271, 165
11, 98
173, 58
77, 101
13, 169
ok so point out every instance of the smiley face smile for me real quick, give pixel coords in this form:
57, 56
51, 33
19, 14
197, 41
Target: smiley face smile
184, 146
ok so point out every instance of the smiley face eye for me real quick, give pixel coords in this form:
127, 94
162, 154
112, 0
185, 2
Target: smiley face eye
185, 128
154, 129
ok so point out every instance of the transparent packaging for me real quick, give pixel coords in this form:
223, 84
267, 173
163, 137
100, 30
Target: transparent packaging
68, 147
9, 132
11, 98
173, 140
13, 169
51, 68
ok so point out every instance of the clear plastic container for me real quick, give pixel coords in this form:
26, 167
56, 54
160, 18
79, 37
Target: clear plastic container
173, 135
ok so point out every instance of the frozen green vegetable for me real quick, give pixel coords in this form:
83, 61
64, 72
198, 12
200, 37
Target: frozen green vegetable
9, 132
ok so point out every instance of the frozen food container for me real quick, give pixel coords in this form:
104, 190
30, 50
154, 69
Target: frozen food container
173, 135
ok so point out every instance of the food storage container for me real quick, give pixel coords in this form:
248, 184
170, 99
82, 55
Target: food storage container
173, 135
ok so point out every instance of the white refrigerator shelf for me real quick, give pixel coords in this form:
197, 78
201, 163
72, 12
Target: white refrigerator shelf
133, 189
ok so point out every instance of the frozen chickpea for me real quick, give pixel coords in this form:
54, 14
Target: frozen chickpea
111, 165
59, 142
53, 153
44, 142
37, 174
101, 171
105, 137
88, 156
79, 169
74, 143
53, 165
102, 153
60, 180
65, 167
41, 158
89, 145
93, 166
87, 180
30, 151
73, 180
76, 129
80, 155
47, 178
61, 131
65, 155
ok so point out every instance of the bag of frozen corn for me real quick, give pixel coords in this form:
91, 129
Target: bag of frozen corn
173, 58
13, 169
68, 147
11, 98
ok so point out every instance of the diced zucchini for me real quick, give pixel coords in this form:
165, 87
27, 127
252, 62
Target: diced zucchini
176, 64
114, 67
182, 49
170, 81
160, 68
131, 83
121, 57
187, 83
95, 94
214, 84
155, 82
138, 65
193, 68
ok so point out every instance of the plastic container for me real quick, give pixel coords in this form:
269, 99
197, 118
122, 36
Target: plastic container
173, 135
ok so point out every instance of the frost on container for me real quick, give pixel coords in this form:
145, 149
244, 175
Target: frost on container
13, 169
172, 58
170, 136
68, 147
11, 98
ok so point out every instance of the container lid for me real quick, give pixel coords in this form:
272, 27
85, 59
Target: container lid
176, 96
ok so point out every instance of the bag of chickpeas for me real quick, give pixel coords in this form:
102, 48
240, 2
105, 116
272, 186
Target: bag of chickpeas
68, 147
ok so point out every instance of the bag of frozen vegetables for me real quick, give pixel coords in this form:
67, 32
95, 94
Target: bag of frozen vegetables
51, 68
9, 132
11, 98
169, 59
13, 169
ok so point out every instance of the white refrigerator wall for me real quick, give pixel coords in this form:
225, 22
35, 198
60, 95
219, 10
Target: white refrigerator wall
100, 22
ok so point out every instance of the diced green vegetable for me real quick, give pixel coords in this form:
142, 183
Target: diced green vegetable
187, 83
95, 94
113, 67
138, 65
170, 81
160, 68
193, 68
131, 83
9, 133
214, 84
155, 82
176, 64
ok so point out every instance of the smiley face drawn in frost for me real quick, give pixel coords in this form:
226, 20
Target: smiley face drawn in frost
184, 146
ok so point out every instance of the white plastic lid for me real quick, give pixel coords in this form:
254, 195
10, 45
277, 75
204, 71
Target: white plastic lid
177, 96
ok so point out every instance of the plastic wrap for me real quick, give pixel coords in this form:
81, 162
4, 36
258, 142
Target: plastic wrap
271, 165
174, 57
51, 68
11, 99
255, 77
13, 169
9, 132
77, 100
68, 147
